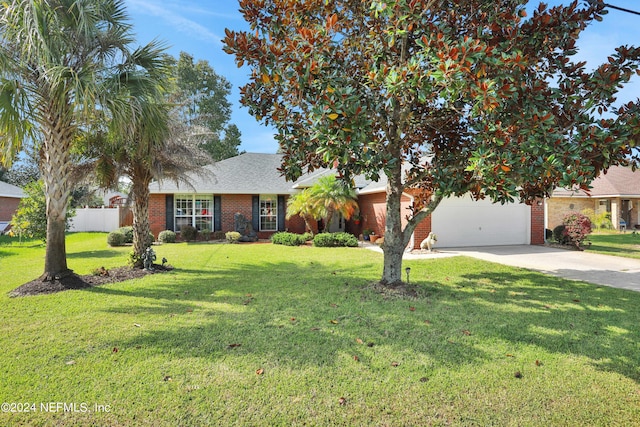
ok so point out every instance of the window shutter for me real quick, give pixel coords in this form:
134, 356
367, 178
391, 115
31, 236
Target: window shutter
281, 213
169, 212
217, 213
255, 213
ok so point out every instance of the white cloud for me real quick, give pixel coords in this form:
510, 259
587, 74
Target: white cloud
173, 17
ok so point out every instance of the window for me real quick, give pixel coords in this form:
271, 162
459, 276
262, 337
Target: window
268, 212
195, 210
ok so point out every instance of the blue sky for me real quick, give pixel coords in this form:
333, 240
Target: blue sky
197, 27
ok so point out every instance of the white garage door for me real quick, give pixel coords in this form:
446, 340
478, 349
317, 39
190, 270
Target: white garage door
461, 221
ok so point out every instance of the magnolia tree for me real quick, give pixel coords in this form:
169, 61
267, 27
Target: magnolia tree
437, 98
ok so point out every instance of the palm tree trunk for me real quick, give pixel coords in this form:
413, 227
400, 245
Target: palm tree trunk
141, 228
56, 169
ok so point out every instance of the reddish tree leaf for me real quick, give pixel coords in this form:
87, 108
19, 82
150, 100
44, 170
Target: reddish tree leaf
359, 341
115, 350
233, 345
412, 309
395, 364
356, 358
259, 371
342, 401
518, 374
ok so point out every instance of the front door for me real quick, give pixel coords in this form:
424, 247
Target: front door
337, 223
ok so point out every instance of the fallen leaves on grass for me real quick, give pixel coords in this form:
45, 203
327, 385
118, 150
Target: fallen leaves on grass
115, 350
395, 364
260, 371
412, 309
334, 321
167, 378
359, 341
466, 332
342, 401
518, 374
234, 345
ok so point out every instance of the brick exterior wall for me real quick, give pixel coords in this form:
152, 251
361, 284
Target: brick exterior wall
537, 222
8, 206
157, 213
558, 207
233, 204
230, 203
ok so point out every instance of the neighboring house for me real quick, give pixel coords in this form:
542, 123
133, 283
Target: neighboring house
616, 192
251, 184
10, 196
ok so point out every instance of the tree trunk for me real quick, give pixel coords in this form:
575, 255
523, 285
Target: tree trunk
56, 168
141, 180
394, 238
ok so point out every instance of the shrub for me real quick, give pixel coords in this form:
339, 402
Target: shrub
232, 236
151, 239
128, 234
601, 220
288, 239
188, 233
167, 236
577, 228
558, 234
219, 235
116, 238
548, 234
327, 240
205, 233
307, 236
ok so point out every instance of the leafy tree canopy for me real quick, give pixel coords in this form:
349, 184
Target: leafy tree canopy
202, 99
437, 97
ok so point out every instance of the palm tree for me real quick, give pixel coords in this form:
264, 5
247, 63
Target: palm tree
54, 55
330, 195
302, 204
145, 139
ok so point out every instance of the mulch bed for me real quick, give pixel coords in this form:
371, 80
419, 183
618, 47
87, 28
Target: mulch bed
74, 281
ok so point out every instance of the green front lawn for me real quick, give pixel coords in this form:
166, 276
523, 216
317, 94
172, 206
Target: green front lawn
615, 243
257, 334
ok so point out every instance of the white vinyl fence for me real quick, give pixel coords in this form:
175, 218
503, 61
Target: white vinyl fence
96, 219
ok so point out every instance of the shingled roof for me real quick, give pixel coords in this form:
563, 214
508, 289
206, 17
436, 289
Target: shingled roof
8, 190
619, 181
248, 173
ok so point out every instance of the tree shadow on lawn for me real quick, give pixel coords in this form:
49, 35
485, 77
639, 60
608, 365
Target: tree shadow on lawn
563, 316
302, 316
97, 255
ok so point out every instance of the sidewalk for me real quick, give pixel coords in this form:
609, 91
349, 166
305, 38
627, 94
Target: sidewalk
589, 267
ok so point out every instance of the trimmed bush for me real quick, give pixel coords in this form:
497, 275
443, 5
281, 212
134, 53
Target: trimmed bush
288, 239
559, 236
328, 240
232, 236
307, 236
188, 233
218, 235
577, 228
116, 238
151, 239
206, 234
128, 233
167, 236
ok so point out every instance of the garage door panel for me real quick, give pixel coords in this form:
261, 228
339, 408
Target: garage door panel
465, 222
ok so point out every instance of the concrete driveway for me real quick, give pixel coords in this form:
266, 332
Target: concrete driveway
599, 269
